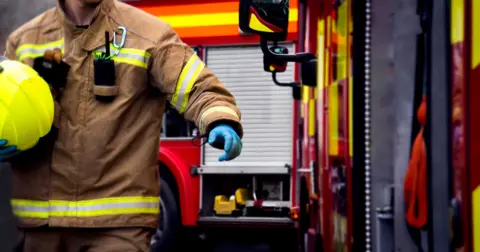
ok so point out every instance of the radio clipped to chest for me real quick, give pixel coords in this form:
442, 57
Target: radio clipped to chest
104, 88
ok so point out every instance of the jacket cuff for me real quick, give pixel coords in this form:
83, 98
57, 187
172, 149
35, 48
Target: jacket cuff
217, 115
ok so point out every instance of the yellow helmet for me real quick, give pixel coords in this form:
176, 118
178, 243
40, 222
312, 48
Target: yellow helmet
26, 105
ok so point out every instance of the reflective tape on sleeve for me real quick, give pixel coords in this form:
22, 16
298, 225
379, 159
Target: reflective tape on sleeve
33, 51
187, 79
86, 208
129, 56
216, 109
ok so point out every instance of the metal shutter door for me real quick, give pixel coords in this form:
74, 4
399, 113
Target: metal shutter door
266, 108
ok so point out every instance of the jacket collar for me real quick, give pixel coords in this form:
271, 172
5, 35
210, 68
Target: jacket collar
94, 36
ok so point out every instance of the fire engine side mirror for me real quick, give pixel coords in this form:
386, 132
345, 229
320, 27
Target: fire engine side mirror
273, 64
309, 73
267, 18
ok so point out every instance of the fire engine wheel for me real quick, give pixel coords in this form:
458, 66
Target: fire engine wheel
169, 221
283, 240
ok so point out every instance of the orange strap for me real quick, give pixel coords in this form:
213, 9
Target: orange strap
415, 186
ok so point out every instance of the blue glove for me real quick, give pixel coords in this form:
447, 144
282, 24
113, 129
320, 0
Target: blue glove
7, 152
224, 137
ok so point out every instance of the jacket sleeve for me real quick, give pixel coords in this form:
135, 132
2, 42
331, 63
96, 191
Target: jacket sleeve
10, 50
191, 87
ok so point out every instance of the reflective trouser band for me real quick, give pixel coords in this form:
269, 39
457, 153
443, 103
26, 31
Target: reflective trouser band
186, 80
129, 56
33, 51
86, 208
216, 109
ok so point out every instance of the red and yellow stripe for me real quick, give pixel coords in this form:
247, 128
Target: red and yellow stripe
209, 22
337, 30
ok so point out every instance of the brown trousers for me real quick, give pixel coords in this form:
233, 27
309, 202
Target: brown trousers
84, 240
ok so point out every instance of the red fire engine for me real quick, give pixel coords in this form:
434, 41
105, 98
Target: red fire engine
310, 159
336, 116
258, 189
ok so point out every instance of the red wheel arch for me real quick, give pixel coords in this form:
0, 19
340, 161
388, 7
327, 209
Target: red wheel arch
187, 185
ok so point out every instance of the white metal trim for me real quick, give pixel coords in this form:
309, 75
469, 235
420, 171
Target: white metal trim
236, 169
270, 203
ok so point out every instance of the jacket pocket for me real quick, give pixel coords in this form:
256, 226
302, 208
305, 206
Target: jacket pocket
104, 80
131, 80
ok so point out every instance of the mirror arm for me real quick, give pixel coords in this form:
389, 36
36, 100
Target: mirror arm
283, 84
299, 57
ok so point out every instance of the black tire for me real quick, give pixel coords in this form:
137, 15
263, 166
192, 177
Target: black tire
283, 240
165, 237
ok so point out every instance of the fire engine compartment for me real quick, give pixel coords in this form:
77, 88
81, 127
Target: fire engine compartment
267, 195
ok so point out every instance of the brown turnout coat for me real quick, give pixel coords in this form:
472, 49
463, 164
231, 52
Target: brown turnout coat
98, 166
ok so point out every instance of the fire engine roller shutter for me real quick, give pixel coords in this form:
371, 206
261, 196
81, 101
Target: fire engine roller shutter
266, 108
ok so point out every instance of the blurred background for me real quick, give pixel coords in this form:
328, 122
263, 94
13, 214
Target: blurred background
17, 12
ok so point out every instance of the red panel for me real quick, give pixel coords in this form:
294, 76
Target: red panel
327, 197
188, 9
474, 126
218, 31
296, 120
229, 40
179, 157
211, 35
145, 3
459, 172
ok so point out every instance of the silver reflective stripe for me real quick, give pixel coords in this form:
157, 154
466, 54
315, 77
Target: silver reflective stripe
87, 208
188, 78
73, 208
130, 56
121, 54
30, 209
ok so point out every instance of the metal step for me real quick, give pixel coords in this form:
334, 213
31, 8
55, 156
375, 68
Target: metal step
246, 221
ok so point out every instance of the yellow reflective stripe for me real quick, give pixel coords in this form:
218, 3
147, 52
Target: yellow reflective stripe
178, 86
30, 208
33, 203
328, 34
333, 119
311, 117
475, 34
457, 14
476, 218
186, 80
28, 214
212, 19
216, 109
305, 94
321, 54
131, 56
342, 48
36, 50
98, 213
86, 208
191, 82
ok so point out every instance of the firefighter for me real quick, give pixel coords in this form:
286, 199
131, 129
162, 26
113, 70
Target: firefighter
92, 183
